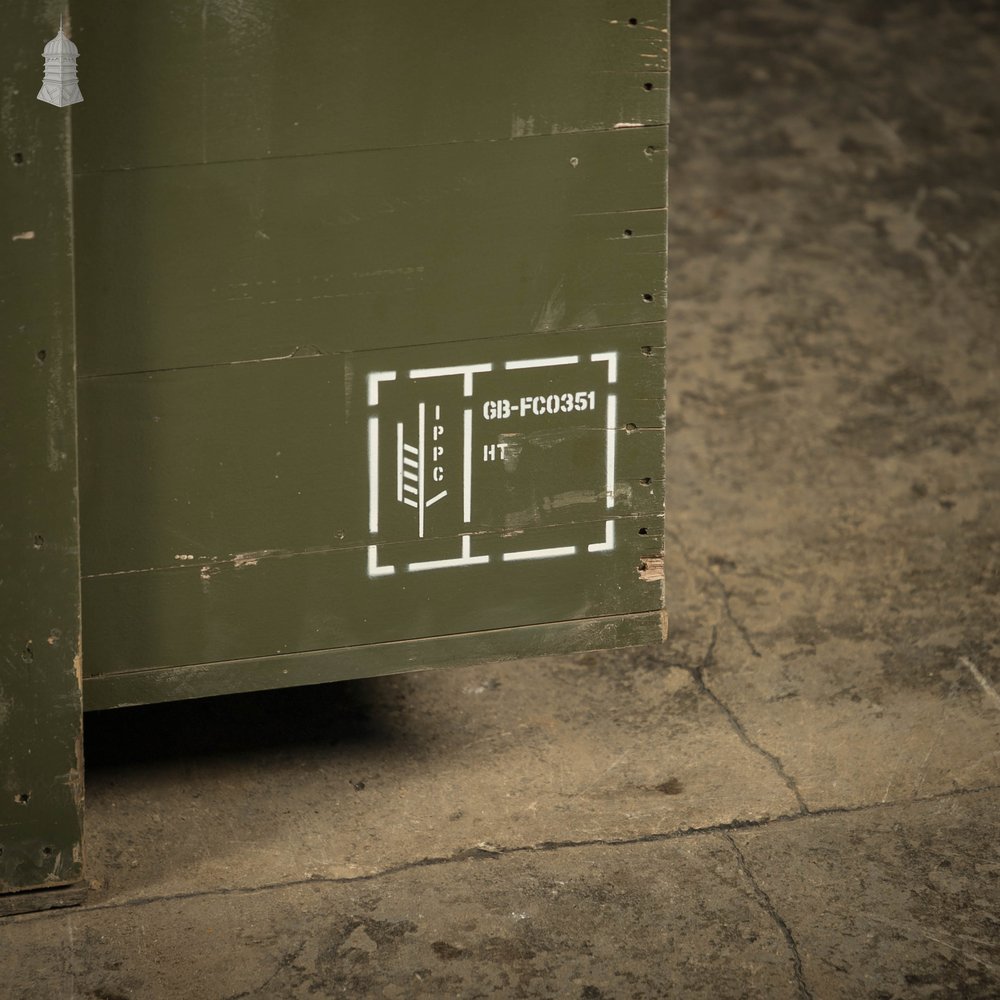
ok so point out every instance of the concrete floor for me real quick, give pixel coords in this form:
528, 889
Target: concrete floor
799, 794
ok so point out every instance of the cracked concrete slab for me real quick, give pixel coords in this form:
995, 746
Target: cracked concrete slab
834, 405
378, 773
901, 901
529, 924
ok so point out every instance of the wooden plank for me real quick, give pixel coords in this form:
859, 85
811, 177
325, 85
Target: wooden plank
40, 700
198, 81
192, 614
242, 261
201, 680
210, 464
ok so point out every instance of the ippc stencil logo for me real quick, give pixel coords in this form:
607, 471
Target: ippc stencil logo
420, 467
469, 450
59, 85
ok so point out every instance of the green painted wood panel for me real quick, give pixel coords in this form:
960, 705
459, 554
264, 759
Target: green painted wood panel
40, 702
193, 81
240, 261
141, 687
181, 465
370, 342
270, 529
326, 600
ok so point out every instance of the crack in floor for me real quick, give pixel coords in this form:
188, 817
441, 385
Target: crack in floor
766, 904
486, 852
722, 589
733, 620
698, 673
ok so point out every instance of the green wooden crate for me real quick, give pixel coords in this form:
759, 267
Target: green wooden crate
332, 345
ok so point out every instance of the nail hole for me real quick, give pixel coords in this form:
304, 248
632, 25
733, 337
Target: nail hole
648, 351
647, 297
647, 86
629, 428
643, 531
650, 150
632, 22
646, 481
18, 157
47, 851
22, 798
39, 541
27, 654
42, 355
626, 233
574, 161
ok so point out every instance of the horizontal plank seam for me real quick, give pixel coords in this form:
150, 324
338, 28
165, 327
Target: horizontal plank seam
369, 149
593, 619
300, 352
241, 560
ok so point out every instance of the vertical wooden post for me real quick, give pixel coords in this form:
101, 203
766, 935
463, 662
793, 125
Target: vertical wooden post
41, 767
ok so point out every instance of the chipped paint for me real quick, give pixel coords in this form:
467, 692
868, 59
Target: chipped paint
250, 558
27, 235
550, 316
248, 20
522, 127
651, 569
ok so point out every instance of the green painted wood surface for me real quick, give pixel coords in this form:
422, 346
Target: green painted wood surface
173, 683
278, 202
200, 265
324, 600
179, 465
227, 512
194, 81
40, 703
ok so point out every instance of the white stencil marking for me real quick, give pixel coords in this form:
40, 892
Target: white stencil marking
467, 469
609, 478
373, 380
373, 567
466, 559
373, 474
612, 359
609, 539
421, 465
541, 362
465, 370
563, 550
411, 461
